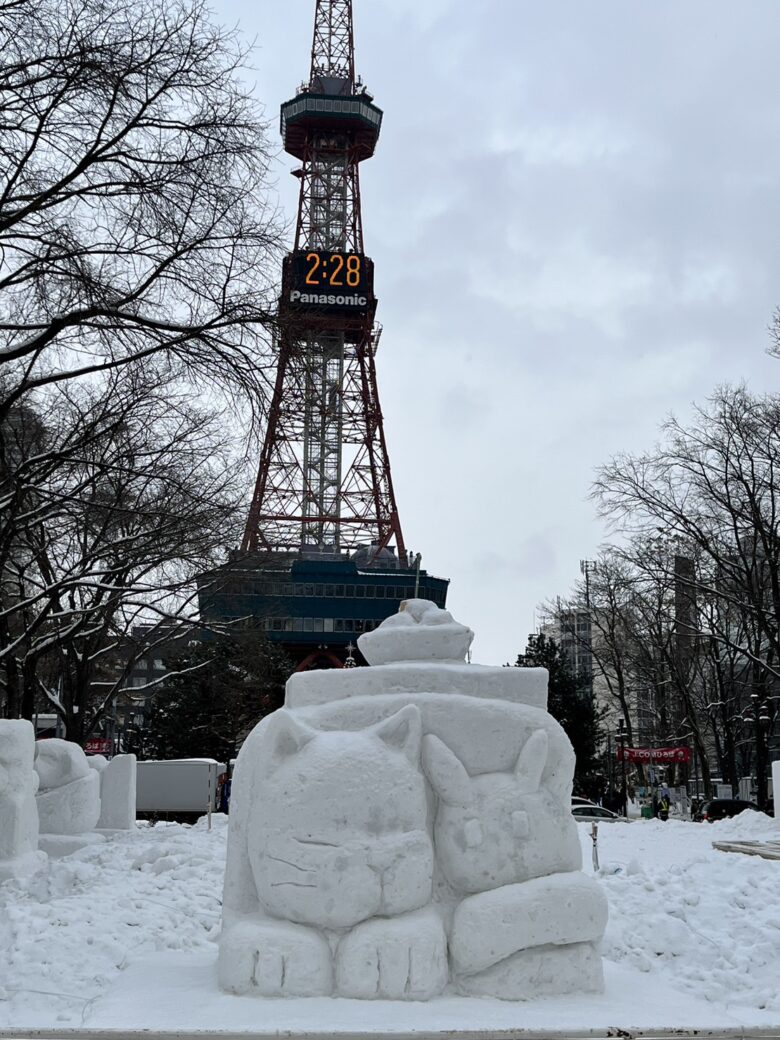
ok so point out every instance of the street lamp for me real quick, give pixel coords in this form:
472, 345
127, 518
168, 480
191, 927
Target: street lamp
622, 745
588, 567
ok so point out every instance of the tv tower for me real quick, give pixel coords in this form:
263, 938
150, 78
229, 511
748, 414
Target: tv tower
323, 557
324, 483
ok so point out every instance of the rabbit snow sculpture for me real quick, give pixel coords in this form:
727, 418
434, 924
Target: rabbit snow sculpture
389, 811
507, 837
498, 828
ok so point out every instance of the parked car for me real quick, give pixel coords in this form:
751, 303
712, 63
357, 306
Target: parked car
723, 808
591, 811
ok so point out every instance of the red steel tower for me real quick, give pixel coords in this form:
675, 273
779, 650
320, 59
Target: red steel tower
324, 484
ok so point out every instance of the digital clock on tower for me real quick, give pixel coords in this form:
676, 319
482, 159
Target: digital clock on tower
319, 278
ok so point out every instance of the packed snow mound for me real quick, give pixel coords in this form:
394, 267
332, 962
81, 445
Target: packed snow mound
749, 825
59, 762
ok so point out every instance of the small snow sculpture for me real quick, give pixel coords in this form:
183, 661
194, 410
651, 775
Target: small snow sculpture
69, 793
420, 631
19, 854
400, 828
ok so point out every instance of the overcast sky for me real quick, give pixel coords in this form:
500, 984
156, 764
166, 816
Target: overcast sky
574, 212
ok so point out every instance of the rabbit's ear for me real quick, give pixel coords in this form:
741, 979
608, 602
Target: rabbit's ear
531, 761
402, 731
446, 773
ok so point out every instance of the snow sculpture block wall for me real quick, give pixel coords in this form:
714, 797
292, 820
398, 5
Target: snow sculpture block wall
117, 793
69, 793
404, 828
19, 854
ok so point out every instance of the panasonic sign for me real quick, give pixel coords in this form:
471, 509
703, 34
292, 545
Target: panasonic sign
327, 299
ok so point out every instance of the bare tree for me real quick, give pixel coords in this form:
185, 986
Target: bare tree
115, 534
710, 493
133, 212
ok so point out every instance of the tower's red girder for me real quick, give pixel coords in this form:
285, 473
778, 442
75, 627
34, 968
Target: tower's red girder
324, 479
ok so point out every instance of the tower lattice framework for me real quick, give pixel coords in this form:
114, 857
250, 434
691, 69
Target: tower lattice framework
324, 481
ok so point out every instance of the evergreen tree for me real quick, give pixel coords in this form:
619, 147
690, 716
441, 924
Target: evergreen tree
223, 686
571, 702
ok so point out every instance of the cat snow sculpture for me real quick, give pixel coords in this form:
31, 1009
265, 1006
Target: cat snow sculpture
407, 826
336, 837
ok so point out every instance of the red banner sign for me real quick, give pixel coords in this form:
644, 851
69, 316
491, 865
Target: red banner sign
659, 754
99, 746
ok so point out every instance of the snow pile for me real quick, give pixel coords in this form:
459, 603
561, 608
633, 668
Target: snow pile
67, 932
706, 921
748, 826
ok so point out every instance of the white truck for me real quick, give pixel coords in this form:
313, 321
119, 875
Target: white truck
178, 789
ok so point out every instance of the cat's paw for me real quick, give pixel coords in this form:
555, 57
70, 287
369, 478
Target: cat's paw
275, 959
394, 958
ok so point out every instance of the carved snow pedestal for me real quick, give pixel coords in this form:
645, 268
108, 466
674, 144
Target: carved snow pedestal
403, 828
19, 854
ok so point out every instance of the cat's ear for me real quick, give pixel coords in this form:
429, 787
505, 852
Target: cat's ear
402, 731
531, 761
287, 735
447, 774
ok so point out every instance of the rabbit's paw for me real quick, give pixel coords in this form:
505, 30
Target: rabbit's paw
558, 910
543, 971
275, 959
395, 958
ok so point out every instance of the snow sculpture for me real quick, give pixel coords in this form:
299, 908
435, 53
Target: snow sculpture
117, 792
19, 854
69, 793
407, 826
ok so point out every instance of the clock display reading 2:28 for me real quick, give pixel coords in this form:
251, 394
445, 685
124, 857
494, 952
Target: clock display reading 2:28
336, 270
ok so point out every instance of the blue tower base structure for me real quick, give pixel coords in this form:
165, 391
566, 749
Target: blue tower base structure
315, 608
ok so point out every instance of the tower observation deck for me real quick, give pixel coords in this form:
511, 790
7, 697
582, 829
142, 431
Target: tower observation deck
324, 497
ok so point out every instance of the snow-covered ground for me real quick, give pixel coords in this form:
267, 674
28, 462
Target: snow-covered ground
123, 935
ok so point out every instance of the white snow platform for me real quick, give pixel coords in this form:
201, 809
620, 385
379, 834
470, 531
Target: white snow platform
177, 993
